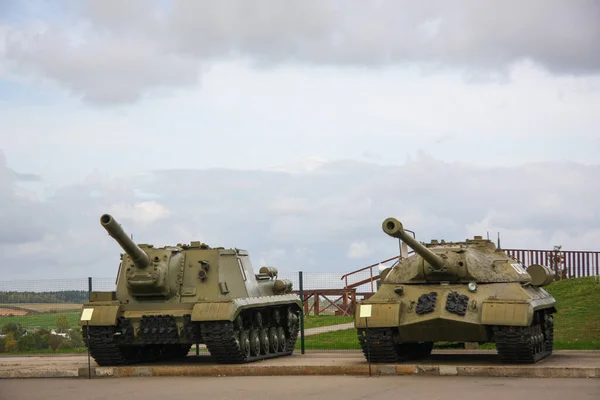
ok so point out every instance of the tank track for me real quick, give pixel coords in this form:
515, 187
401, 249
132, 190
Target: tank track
108, 351
255, 335
273, 333
525, 344
378, 346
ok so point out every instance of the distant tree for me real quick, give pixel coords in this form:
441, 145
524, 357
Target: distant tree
26, 342
12, 327
77, 338
557, 260
65, 345
64, 296
11, 345
44, 341
62, 323
54, 341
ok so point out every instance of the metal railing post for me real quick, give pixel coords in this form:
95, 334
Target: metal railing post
301, 289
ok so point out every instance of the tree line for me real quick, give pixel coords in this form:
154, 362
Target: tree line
61, 296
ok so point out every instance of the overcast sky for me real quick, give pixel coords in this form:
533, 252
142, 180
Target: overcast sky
293, 128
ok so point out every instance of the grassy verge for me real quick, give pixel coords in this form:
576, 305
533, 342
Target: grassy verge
339, 340
312, 321
78, 350
577, 323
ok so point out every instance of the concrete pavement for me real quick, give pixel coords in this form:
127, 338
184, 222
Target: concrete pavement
302, 387
562, 364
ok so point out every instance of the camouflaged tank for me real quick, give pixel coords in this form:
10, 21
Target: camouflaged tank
467, 291
169, 298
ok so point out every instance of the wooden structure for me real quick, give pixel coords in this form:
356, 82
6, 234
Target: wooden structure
329, 301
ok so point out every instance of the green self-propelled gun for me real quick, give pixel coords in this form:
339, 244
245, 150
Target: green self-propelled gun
170, 298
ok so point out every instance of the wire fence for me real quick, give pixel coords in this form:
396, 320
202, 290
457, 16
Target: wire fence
42, 316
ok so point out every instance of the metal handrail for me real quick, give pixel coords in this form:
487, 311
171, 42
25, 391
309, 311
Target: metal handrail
370, 267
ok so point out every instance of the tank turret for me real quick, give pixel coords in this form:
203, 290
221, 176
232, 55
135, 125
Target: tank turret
394, 228
137, 255
473, 260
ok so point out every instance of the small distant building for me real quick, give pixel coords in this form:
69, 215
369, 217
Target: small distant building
65, 335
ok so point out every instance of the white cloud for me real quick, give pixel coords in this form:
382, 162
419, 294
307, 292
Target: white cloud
108, 53
242, 127
339, 232
290, 205
274, 257
142, 212
358, 250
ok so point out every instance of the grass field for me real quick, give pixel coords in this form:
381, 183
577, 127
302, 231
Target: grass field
40, 321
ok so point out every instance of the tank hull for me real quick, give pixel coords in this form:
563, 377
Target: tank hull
406, 319
234, 331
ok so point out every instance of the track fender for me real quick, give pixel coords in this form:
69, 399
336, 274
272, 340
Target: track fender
99, 315
377, 315
228, 310
506, 312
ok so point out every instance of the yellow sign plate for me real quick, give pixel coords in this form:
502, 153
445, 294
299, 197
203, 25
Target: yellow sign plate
86, 314
365, 310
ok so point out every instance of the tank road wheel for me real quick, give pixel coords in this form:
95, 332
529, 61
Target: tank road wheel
253, 335
237, 336
282, 339
524, 344
254, 342
245, 343
273, 340
264, 341
223, 341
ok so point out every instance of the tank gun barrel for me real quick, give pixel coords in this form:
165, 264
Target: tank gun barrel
138, 256
394, 228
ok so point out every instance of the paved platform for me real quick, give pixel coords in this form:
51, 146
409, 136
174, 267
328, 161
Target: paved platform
561, 364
